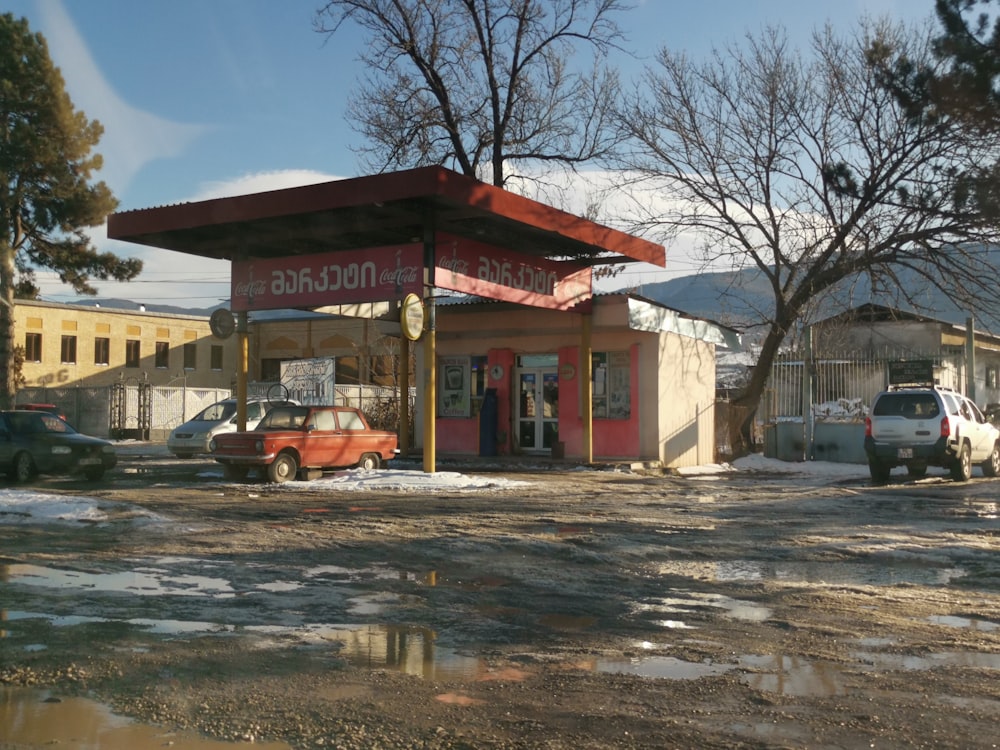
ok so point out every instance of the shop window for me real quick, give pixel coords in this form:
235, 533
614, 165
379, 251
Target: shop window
102, 351
162, 357
68, 350
190, 356
132, 355
32, 347
612, 385
217, 358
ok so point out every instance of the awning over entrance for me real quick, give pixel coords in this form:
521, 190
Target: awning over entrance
379, 210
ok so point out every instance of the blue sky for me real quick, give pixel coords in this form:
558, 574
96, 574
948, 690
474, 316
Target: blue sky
203, 98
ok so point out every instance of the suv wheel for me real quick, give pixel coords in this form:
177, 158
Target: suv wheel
961, 468
991, 466
879, 470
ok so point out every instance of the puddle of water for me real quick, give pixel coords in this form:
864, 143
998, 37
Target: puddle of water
964, 622
661, 667
29, 720
140, 581
789, 675
930, 661
831, 573
694, 602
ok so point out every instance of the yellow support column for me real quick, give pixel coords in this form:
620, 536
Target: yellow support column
404, 395
586, 388
430, 391
241, 371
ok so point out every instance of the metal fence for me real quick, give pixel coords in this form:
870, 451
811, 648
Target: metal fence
141, 411
841, 387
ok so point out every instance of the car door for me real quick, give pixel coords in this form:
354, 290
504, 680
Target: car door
324, 441
982, 443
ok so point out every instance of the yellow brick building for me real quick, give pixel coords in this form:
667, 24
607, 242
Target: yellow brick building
96, 346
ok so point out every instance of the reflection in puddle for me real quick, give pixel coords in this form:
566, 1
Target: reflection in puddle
28, 719
790, 675
144, 581
693, 602
923, 662
662, 667
833, 573
964, 622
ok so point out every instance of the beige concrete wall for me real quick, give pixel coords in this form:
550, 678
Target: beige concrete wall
54, 320
686, 398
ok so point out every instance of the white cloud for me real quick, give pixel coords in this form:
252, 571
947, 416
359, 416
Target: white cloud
132, 138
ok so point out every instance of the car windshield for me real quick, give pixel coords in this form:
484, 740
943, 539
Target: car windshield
284, 418
36, 423
216, 412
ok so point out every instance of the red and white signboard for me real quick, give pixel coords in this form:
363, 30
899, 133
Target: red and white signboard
464, 265
342, 277
390, 273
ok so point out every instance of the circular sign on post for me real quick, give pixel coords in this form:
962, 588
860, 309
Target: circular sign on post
222, 323
411, 317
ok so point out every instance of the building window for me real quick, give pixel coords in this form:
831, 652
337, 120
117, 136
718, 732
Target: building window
477, 383
32, 347
217, 358
162, 360
102, 351
190, 356
993, 377
270, 370
612, 385
132, 356
68, 350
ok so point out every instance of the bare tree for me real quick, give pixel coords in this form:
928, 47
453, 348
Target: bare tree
481, 84
806, 170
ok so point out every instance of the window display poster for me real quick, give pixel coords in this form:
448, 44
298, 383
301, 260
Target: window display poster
453, 387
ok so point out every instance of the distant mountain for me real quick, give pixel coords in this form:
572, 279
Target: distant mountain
734, 298
126, 304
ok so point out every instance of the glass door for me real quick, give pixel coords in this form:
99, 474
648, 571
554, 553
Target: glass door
537, 409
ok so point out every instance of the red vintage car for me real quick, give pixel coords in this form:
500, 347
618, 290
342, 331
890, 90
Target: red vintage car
301, 441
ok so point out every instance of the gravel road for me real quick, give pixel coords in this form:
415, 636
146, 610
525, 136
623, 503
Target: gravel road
545, 607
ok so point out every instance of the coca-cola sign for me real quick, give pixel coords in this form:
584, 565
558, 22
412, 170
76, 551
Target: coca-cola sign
464, 265
343, 277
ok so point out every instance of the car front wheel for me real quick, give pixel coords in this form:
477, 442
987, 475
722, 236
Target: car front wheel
283, 468
961, 468
991, 466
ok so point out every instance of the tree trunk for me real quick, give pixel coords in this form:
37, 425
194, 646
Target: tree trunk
7, 270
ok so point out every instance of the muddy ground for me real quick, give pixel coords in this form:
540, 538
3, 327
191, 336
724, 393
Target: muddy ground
572, 609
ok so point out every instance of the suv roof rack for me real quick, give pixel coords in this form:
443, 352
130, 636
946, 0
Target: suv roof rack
922, 386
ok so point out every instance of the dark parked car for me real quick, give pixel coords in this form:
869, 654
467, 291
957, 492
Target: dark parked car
293, 441
38, 442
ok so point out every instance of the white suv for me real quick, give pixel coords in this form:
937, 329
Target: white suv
921, 426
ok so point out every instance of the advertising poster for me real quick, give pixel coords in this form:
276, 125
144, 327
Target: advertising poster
453, 387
